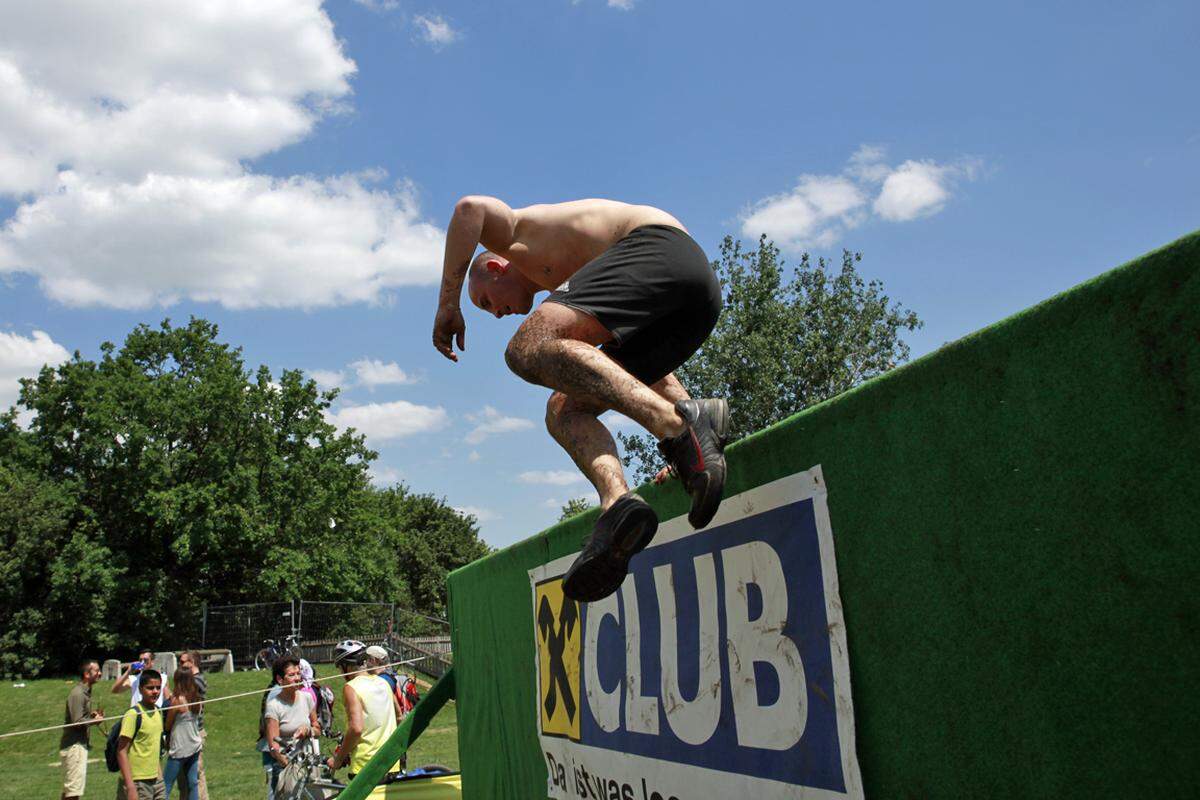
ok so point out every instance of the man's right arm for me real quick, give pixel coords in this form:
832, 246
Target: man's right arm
126, 771
476, 219
123, 682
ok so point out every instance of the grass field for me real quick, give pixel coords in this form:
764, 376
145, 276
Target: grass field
232, 764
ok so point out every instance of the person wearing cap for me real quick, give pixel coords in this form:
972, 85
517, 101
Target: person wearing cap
377, 660
371, 713
377, 663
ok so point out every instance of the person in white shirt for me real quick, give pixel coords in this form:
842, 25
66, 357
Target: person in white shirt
132, 674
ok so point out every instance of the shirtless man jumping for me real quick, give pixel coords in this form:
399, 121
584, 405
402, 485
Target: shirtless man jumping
632, 296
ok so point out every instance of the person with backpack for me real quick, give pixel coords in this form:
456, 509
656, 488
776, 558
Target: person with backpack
138, 744
183, 731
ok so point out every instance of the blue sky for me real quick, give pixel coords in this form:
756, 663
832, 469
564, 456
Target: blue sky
288, 169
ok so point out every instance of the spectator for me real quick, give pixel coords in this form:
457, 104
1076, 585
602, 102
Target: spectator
307, 678
377, 659
183, 730
132, 675
190, 660
138, 748
75, 743
289, 715
371, 713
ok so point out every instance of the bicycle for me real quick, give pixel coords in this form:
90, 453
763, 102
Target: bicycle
271, 650
307, 777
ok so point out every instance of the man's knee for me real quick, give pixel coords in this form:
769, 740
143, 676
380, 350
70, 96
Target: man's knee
560, 406
521, 355
555, 407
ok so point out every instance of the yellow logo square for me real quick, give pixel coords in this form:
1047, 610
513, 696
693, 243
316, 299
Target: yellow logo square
558, 630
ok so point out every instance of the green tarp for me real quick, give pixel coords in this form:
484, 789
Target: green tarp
1015, 518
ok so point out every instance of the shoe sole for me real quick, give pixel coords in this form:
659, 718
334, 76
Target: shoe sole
597, 576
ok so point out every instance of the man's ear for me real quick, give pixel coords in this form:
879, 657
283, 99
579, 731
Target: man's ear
497, 266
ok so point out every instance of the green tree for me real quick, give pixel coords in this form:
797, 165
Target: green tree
576, 505
166, 473
786, 341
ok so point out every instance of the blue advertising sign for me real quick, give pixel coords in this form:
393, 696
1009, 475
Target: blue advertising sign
719, 667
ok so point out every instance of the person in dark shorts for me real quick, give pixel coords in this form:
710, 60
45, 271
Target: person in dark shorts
632, 296
656, 294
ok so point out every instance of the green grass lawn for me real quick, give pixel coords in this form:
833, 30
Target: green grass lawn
233, 765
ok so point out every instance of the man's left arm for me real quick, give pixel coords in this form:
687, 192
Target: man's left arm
354, 729
475, 219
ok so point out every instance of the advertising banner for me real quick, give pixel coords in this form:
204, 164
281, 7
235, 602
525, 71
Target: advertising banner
719, 669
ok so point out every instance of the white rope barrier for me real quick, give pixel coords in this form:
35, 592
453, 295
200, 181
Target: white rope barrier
99, 720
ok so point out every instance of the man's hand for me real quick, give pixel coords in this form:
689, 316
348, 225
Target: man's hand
131, 791
448, 325
331, 762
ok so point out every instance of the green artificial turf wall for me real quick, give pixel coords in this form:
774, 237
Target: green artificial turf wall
1017, 535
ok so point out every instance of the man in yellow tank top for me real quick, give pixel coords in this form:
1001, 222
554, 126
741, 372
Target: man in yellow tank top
371, 713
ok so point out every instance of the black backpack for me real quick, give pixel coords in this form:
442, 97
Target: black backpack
114, 737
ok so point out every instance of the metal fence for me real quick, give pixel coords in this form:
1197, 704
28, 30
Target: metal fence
319, 625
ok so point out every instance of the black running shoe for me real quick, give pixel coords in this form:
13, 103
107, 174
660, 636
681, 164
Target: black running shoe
621, 533
698, 455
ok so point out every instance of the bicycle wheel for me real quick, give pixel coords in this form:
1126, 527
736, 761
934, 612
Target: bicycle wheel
262, 659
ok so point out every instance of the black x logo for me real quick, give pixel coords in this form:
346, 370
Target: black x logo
556, 642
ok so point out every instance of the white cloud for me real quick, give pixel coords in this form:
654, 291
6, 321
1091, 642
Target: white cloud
131, 87
379, 5
480, 514
474, 457
490, 422
124, 128
616, 421
328, 378
382, 422
244, 242
24, 357
434, 30
624, 5
919, 189
372, 372
383, 476
554, 477
818, 210
821, 208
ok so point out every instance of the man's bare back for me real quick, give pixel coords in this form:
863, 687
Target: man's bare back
549, 243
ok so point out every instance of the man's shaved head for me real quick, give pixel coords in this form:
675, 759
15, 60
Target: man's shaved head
479, 264
497, 288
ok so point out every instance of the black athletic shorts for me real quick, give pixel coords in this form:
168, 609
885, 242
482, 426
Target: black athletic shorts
655, 291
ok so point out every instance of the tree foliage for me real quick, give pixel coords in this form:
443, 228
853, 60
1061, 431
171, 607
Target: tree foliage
576, 505
165, 474
786, 341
